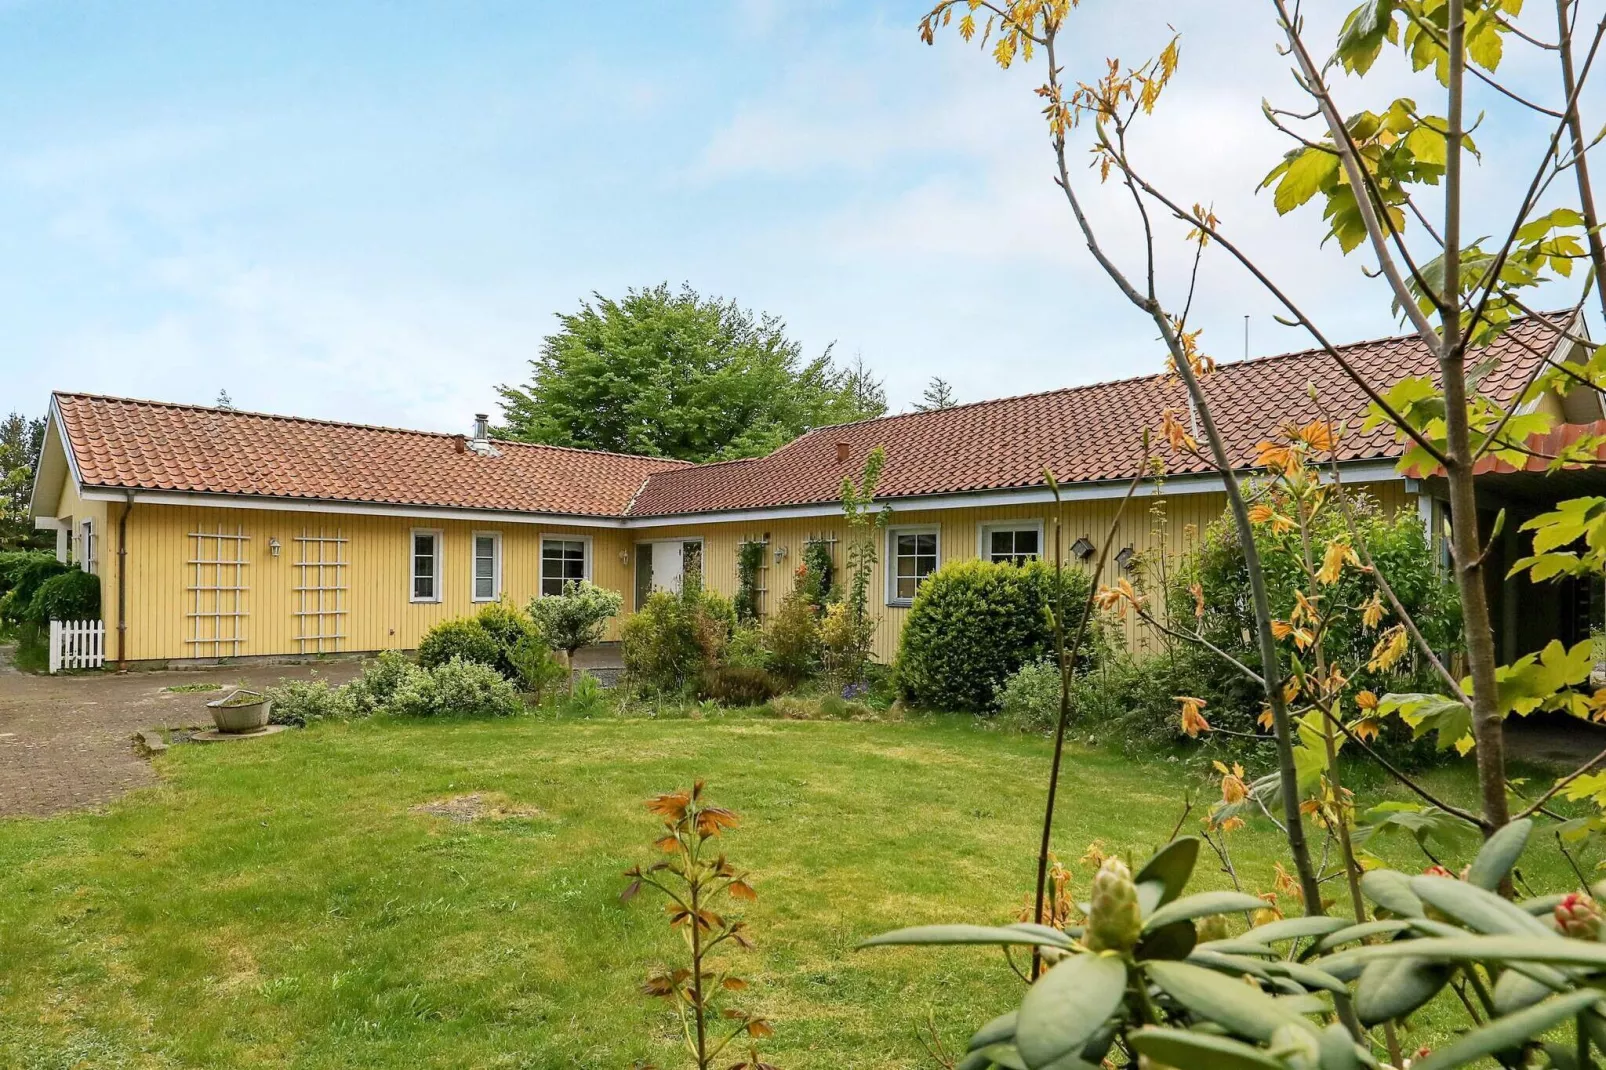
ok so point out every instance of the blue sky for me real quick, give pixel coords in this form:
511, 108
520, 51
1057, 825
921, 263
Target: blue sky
371, 211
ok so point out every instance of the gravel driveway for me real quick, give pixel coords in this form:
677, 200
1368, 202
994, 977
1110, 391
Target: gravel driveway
66, 742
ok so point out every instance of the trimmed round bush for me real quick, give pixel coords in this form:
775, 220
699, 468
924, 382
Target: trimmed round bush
509, 626
464, 638
458, 688
71, 595
974, 623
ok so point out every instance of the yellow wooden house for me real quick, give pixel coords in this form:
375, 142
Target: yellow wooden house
221, 534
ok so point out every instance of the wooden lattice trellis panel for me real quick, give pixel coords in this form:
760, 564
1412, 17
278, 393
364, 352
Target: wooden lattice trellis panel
320, 591
217, 591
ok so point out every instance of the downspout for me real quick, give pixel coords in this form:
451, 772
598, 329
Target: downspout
122, 584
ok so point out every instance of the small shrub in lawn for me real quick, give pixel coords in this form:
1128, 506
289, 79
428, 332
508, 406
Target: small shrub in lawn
302, 702
818, 708
71, 595
464, 638
458, 688
587, 698
380, 680
974, 623
739, 685
792, 639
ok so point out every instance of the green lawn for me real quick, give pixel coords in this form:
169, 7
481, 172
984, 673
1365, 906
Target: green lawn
280, 903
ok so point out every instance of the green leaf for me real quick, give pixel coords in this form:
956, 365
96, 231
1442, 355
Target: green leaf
1392, 988
1067, 1005
1509, 1032
1302, 176
1003, 1055
1339, 1052
1499, 853
1295, 929
1485, 949
967, 934
1391, 890
1199, 1051
1422, 822
1200, 905
1514, 991
1309, 976
996, 1031
1242, 1009
1239, 946
1479, 910
1237, 965
1171, 865
1363, 931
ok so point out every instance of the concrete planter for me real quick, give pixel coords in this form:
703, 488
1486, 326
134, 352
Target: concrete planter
236, 712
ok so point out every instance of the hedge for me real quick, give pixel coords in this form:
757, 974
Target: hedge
974, 623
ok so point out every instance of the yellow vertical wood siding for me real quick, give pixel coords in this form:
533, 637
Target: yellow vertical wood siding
379, 615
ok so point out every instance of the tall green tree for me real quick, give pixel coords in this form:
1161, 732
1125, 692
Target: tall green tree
20, 442
676, 374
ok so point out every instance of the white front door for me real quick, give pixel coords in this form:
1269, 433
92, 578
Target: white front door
662, 566
668, 565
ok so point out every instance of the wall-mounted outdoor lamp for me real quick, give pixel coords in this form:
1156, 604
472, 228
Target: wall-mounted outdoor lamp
273, 545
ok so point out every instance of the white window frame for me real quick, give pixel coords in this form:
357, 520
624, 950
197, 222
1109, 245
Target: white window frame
474, 566
88, 547
412, 565
984, 536
540, 560
891, 560
65, 534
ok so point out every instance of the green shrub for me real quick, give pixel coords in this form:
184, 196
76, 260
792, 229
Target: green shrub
463, 637
792, 639
736, 685
17, 564
301, 702
975, 622
1029, 698
749, 560
380, 680
577, 618
70, 595
1398, 544
745, 648
816, 577
587, 699
536, 669
26, 573
459, 688
675, 637
509, 626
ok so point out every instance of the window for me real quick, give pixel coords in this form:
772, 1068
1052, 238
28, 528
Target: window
1013, 544
88, 548
487, 566
912, 555
563, 561
426, 565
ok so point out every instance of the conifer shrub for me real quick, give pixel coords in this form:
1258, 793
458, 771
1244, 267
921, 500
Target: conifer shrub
974, 623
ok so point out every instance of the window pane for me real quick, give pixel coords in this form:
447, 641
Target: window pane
562, 561
906, 566
906, 544
1003, 544
924, 566
926, 544
1026, 542
423, 566
906, 587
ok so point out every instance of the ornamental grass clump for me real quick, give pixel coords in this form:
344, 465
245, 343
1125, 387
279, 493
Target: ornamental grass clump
697, 886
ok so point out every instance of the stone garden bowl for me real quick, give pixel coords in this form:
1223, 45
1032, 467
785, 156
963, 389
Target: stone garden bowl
240, 711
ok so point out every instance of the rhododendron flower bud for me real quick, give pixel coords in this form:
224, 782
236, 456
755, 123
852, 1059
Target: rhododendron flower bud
1214, 927
1578, 916
1114, 920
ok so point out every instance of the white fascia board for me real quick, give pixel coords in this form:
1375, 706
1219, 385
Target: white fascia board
302, 505
53, 430
1072, 492
48, 523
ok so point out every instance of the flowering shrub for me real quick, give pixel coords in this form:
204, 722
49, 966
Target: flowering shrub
380, 680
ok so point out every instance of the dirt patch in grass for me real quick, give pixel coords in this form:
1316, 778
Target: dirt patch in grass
462, 809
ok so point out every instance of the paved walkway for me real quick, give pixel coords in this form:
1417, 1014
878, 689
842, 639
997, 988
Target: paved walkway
66, 742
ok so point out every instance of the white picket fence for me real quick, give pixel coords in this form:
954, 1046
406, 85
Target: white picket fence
77, 644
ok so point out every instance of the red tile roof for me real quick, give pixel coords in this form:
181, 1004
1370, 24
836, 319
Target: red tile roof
1084, 434
148, 445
